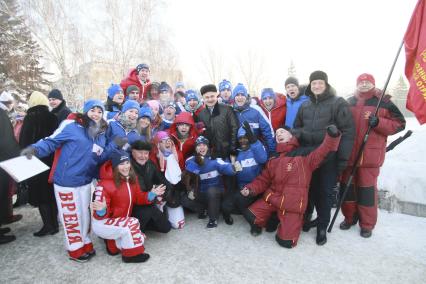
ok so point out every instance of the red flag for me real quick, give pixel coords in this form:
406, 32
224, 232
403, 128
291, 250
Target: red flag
415, 66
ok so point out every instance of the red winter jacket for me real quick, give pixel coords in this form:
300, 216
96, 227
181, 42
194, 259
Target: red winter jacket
187, 147
133, 79
391, 121
277, 114
285, 179
119, 200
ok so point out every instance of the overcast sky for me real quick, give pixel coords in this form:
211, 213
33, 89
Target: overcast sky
342, 38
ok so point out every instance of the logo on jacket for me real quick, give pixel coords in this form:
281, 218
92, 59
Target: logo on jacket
289, 167
367, 114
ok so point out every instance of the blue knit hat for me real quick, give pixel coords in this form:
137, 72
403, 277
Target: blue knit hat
225, 85
114, 89
180, 84
129, 105
201, 140
239, 89
142, 66
191, 95
164, 87
241, 132
88, 105
267, 93
118, 157
145, 111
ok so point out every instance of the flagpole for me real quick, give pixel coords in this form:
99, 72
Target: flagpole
364, 141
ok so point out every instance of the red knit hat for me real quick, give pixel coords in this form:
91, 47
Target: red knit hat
366, 77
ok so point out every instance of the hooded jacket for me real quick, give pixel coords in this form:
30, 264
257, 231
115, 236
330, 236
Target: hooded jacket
133, 79
277, 115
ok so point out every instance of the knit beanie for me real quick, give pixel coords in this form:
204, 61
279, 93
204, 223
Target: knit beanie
141, 145
130, 104
153, 104
118, 157
201, 140
132, 88
239, 89
191, 95
208, 88
318, 75
145, 111
142, 66
225, 85
55, 94
37, 99
267, 93
88, 105
179, 85
164, 87
161, 135
113, 89
291, 80
366, 77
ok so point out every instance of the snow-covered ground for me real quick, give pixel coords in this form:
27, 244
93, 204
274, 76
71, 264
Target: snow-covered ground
396, 253
403, 173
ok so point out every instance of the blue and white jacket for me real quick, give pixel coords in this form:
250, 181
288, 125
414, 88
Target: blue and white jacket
115, 128
293, 106
80, 155
259, 123
251, 161
210, 173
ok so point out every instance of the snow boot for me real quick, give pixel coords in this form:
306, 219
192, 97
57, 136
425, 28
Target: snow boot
321, 236
255, 230
346, 225
272, 223
202, 214
84, 258
48, 228
6, 239
310, 224
136, 259
228, 219
212, 224
284, 243
366, 233
4, 231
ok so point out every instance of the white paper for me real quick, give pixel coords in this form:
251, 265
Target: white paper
21, 168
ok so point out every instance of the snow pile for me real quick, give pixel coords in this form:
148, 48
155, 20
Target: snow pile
403, 173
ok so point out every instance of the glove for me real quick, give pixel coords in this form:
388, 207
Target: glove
333, 131
250, 136
237, 167
29, 152
120, 141
373, 121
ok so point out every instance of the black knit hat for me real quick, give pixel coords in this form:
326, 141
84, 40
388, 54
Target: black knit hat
208, 88
318, 75
141, 145
55, 94
291, 80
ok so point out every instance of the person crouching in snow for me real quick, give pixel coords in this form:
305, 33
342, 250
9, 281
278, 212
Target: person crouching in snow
284, 183
209, 171
114, 197
251, 155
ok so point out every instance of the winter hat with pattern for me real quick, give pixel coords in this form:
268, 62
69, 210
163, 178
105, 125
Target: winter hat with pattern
164, 87
180, 85
132, 88
88, 105
130, 104
153, 104
225, 85
142, 66
291, 80
191, 95
202, 140
239, 90
366, 77
114, 89
267, 93
55, 94
118, 157
161, 135
208, 88
318, 75
37, 99
145, 111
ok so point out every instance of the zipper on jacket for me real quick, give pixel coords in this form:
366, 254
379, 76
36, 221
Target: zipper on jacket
130, 198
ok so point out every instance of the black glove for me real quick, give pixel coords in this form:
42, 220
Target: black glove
373, 121
29, 152
250, 136
120, 141
333, 131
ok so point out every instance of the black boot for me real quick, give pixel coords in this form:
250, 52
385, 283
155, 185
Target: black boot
272, 223
228, 219
284, 243
136, 259
321, 236
4, 231
47, 228
255, 230
6, 239
309, 225
346, 226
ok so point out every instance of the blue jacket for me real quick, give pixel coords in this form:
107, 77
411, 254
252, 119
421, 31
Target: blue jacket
260, 124
78, 163
116, 129
210, 173
293, 108
251, 160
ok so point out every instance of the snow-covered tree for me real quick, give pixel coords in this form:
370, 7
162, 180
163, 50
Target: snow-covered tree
20, 57
292, 70
399, 96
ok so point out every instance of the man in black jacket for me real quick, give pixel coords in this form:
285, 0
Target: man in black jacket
324, 108
58, 105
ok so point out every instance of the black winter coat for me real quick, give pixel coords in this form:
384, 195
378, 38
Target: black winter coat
61, 111
221, 129
39, 123
316, 114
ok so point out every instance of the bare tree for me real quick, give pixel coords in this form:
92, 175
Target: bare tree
252, 67
213, 64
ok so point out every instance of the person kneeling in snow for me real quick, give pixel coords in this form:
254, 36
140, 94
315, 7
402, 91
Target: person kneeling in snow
114, 197
284, 184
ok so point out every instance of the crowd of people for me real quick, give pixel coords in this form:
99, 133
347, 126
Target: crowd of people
151, 153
